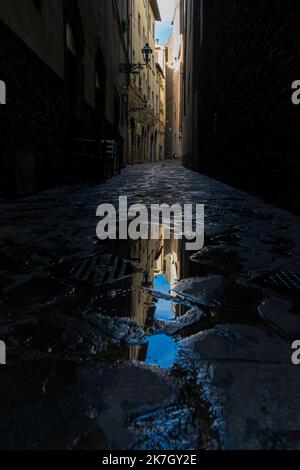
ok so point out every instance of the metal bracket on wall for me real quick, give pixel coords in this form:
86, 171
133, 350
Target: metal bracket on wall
131, 68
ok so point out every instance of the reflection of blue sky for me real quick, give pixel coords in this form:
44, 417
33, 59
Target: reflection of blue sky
164, 308
161, 284
162, 350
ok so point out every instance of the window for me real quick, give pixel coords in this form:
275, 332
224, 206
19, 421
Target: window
98, 82
139, 24
70, 40
74, 54
167, 54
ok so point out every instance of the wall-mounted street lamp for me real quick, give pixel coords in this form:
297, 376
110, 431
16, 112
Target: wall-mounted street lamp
147, 52
135, 68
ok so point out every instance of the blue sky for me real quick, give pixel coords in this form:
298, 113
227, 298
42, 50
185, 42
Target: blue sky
163, 31
164, 28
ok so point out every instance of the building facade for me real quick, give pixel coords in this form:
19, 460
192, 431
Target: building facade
239, 122
60, 62
160, 57
174, 74
144, 88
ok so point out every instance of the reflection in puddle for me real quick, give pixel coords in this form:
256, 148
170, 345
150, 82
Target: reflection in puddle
158, 266
161, 272
164, 309
161, 351
167, 273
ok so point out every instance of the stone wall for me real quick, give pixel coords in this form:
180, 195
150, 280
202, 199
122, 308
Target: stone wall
169, 112
249, 130
31, 122
53, 105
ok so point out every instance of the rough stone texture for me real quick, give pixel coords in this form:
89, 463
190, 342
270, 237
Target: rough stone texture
193, 317
62, 406
253, 389
49, 105
282, 314
239, 386
240, 73
208, 290
32, 121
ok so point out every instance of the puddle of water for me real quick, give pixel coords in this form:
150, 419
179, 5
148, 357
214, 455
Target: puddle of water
143, 293
161, 351
160, 265
158, 268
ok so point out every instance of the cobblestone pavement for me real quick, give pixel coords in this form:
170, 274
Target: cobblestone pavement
77, 375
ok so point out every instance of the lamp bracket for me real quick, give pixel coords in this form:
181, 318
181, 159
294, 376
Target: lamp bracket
131, 68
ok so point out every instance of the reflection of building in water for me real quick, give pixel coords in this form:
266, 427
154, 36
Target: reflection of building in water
169, 262
156, 259
173, 252
168, 273
145, 253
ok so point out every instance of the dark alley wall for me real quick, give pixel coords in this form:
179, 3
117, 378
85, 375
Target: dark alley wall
240, 124
60, 61
31, 138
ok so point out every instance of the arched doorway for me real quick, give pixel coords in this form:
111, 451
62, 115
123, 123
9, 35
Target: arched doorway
152, 148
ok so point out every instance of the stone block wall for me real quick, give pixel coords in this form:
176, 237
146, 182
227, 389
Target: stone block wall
31, 122
249, 130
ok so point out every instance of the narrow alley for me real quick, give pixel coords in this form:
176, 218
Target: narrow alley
137, 336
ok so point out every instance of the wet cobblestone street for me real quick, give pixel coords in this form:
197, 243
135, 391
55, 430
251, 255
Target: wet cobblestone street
202, 361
